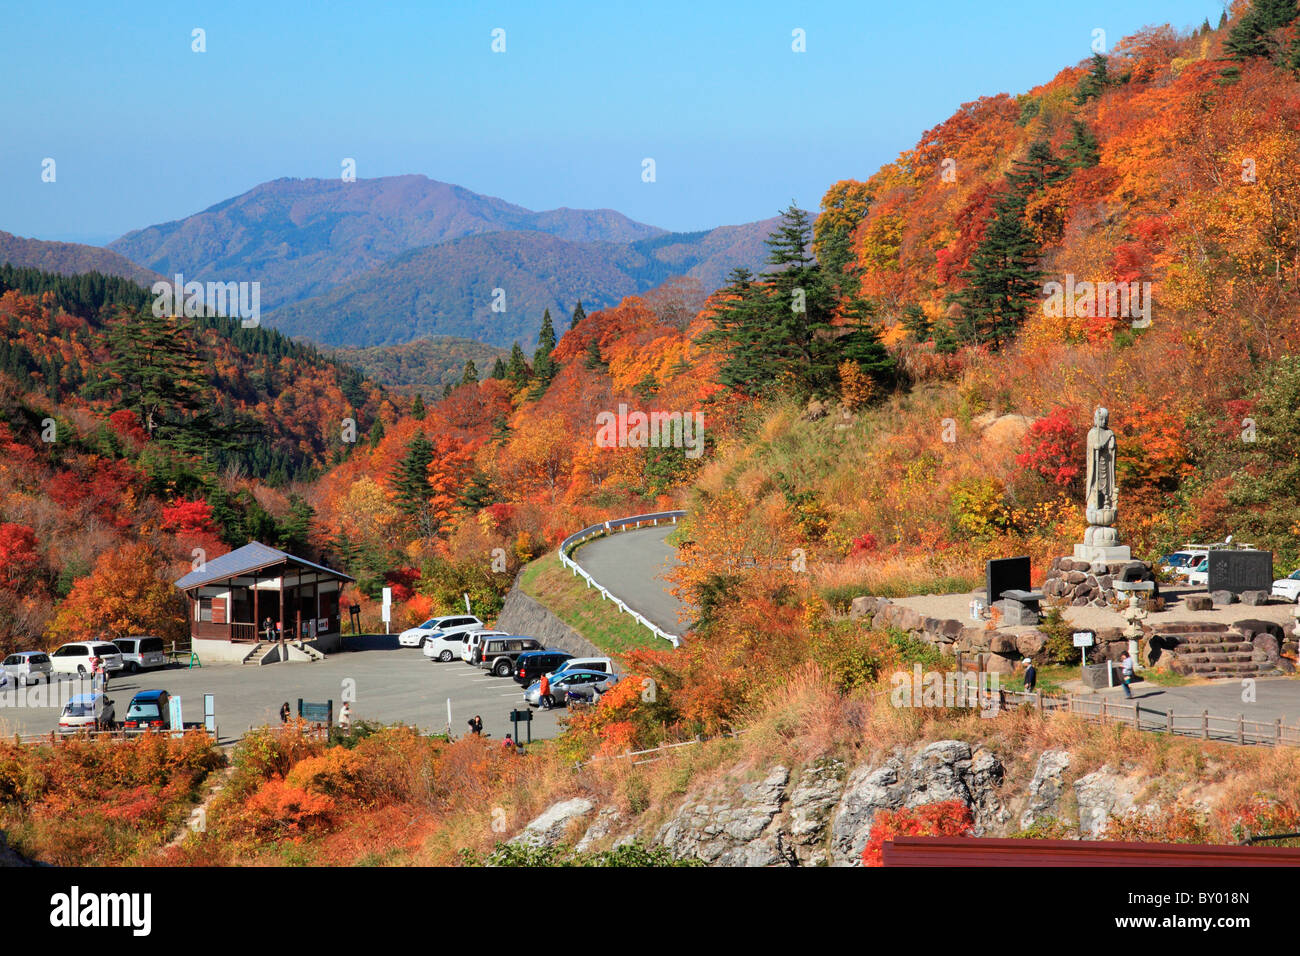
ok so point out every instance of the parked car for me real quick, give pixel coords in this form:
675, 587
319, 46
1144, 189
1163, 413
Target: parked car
75, 658
141, 653
1288, 587
474, 641
530, 665
498, 654
1176, 563
585, 684
87, 712
452, 623
1200, 575
27, 667
602, 664
445, 647
149, 710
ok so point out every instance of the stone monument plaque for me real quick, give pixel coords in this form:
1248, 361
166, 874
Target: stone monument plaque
1239, 571
1006, 574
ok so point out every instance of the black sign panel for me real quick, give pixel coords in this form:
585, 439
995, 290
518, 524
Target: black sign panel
1006, 574
1238, 571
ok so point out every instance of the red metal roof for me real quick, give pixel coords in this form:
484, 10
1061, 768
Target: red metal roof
973, 851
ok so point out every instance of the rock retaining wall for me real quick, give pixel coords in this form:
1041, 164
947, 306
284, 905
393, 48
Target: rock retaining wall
524, 615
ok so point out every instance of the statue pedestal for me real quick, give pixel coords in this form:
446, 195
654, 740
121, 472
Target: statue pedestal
1092, 553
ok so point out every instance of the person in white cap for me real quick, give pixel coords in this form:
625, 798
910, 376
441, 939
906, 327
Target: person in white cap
1031, 676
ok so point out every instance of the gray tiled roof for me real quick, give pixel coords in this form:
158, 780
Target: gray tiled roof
248, 558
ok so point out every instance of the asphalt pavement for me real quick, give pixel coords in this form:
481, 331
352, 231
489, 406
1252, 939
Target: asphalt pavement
633, 565
390, 684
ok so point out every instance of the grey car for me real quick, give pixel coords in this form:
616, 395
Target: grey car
28, 667
585, 684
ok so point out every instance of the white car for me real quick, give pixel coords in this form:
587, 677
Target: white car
1199, 575
416, 636
75, 658
1191, 564
602, 664
26, 667
447, 645
1288, 587
87, 712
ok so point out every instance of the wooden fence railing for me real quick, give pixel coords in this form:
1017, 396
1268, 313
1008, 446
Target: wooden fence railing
54, 738
1205, 725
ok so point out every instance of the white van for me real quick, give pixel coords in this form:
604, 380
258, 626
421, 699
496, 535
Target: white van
75, 658
602, 664
141, 653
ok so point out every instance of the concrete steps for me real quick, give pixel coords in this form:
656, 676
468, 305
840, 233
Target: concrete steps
258, 654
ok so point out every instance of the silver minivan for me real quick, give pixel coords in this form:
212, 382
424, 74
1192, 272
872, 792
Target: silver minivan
141, 653
28, 667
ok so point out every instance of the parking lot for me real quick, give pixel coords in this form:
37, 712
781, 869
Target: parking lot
390, 684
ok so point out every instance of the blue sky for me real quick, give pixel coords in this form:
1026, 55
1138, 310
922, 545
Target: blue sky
145, 130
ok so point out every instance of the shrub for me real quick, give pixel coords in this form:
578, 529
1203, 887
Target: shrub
946, 818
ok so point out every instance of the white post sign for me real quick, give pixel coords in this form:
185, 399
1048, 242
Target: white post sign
1083, 641
388, 607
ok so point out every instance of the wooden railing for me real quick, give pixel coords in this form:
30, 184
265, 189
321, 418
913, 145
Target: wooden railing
53, 737
1204, 725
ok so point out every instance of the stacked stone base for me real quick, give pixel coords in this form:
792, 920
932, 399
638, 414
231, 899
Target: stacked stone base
1075, 583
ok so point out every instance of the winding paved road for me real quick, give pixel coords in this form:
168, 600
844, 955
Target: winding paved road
633, 565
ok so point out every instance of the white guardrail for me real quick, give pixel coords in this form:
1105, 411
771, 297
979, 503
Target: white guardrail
609, 527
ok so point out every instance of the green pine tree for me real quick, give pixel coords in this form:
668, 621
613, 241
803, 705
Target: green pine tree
592, 359
417, 407
1258, 32
498, 368
1001, 278
410, 483
1096, 81
517, 371
917, 323
471, 373
1081, 149
543, 366
578, 315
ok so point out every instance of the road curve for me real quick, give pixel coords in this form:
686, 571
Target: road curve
633, 565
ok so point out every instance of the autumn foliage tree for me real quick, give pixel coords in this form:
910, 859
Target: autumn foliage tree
124, 594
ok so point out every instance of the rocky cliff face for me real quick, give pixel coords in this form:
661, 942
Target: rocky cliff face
822, 814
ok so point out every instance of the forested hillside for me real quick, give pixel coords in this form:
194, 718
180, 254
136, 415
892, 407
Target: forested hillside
68, 258
895, 398
130, 440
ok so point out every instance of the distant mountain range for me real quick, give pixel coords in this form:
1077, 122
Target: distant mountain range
70, 258
385, 261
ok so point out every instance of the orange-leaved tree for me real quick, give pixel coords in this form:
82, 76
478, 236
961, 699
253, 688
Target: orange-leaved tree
126, 593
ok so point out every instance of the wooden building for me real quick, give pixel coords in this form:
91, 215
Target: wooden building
231, 596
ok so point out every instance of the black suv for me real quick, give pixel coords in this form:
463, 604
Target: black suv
531, 665
498, 654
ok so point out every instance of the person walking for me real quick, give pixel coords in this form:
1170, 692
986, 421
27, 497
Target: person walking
544, 692
1031, 676
1126, 670
284, 712
345, 717
476, 725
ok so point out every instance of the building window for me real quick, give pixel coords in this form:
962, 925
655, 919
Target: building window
205, 609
